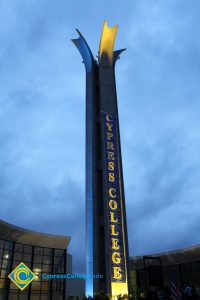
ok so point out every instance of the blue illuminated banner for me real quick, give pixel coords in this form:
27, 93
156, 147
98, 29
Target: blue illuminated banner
114, 198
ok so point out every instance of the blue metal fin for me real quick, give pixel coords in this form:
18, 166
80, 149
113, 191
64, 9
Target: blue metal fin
85, 52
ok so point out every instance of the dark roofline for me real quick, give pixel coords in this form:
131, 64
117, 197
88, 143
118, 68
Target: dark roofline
25, 236
187, 249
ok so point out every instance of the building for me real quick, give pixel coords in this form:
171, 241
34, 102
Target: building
154, 272
42, 253
106, 230
74, 286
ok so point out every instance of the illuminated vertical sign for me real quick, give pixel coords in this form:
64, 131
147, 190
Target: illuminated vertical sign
106, 242
114, 204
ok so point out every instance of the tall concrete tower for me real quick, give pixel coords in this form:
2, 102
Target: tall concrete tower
106, 228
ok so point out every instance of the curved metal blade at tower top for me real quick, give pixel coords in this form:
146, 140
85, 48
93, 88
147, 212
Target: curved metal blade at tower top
116, 54
85, 51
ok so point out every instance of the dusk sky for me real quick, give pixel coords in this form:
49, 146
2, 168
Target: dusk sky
42, 118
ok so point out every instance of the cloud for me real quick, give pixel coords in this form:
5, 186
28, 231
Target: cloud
55, 210
161, 27
162, 194
42, 118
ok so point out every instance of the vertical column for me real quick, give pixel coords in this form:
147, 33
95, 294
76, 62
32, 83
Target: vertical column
114, 200
89, 67
106, 233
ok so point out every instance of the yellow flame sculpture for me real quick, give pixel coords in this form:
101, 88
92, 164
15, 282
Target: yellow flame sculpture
107, 41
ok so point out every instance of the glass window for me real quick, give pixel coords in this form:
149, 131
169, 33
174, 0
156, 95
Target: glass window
47, 260
28, 264
48, 251
166, 275
46, 268
133, 281
58, 252
27, 257
27, 249
195, 276
23, 296
1, 244
37, 270
37, 267
1, 252
2, 283
36, 285
38, 276
13, 286
38, 250
185, 267
15, 263
37, 258
4, 273
45, 285
13, 295
2, 295
6, 263
141, 278
6, 281
18, 247
18, 256
57, 296
7, 254
194, 266
58, 260
57, 269
58, 285
35, 296
44, 296
8, 245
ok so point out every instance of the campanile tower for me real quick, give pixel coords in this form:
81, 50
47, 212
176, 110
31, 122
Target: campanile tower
106, 228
